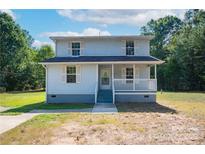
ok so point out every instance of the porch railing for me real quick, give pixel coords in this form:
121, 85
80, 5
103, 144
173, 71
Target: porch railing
135, 84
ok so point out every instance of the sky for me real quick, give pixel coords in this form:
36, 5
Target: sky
44, 23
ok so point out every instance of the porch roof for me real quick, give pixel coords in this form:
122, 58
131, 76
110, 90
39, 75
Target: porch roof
104, 59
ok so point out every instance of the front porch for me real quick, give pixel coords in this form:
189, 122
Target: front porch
117, 81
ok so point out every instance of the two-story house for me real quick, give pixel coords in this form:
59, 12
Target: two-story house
101, 69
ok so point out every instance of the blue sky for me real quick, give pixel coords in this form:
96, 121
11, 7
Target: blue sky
44, 23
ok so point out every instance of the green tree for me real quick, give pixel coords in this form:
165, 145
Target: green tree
14, 53
189, 45
181, 45
163, 29
44, 52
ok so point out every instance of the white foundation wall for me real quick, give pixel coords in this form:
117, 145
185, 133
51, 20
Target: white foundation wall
101, 47
56, 83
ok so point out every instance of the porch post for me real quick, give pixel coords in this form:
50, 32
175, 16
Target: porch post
96, 86
155, 71
133, 76
113, 90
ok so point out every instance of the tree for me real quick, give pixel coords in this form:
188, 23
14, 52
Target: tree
162, 29
14, 53
190, 48
181, 45
45, 52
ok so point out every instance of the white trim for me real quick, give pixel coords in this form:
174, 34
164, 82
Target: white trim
96, 86
75, 48
155, 71
113, 87
137, 37
76, 74
46, 68
134, 76
111, 62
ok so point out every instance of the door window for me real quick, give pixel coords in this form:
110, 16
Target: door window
105, 80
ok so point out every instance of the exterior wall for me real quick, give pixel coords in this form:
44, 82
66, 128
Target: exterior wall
135, 98
62, 48
100, 47
57, 83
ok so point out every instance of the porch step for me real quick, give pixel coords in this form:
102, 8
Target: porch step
104, 96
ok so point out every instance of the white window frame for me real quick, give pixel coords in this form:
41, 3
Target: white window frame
75, 48
77, 75
128, 48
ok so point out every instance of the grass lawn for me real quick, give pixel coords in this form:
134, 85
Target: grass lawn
27, 101
177, 118
189, 103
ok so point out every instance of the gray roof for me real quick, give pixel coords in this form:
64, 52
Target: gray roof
141, 37
102, 59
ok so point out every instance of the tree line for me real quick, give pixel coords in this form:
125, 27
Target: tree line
180, 43
19, 68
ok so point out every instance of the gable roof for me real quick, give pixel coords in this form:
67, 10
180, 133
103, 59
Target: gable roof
104, 59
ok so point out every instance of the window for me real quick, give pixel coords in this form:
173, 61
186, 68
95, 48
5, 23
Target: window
105, 79
71, 74
76, 48
129, 48
129, 75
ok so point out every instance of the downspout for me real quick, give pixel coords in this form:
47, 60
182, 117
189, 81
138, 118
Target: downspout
46, 82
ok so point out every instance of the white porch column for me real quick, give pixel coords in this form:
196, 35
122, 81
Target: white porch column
113, 88
96, 86
155, 71
134, 76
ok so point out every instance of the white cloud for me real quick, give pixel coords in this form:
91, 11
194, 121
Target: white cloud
85, 32
9, 12
38, 44
128, 17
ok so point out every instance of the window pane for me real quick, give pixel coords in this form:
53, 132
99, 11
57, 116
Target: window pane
71, 70
76, 45
129, 73
129, 47
130, 44
75, 52
71, 78
105, 81
129, 51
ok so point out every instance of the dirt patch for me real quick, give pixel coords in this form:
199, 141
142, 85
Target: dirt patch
131, 128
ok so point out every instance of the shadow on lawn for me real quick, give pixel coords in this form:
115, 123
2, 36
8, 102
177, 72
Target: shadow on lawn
143, 107
43, 106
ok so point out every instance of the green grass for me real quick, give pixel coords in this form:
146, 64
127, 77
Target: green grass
19, 99
25, 102
38, 130
190, 103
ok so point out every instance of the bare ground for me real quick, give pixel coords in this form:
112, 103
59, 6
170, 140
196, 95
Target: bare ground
131, 128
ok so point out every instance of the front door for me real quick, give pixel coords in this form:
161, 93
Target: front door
105, 78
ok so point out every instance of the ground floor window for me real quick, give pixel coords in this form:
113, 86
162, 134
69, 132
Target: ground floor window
129, 75
73, 74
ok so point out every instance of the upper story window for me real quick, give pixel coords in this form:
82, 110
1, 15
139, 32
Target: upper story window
130, 48
75, 48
